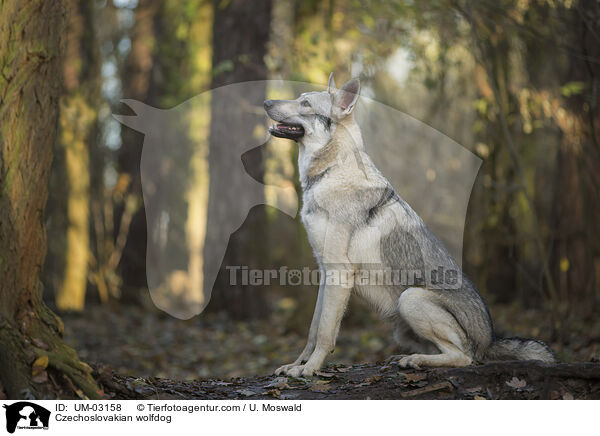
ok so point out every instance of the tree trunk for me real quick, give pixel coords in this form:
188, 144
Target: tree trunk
240, 35
29, 90
77, 123
492, 381
137, 85
575, 213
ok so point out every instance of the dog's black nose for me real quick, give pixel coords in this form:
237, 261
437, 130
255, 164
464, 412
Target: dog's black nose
268, 104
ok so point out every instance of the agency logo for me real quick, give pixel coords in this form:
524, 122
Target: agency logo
26, 415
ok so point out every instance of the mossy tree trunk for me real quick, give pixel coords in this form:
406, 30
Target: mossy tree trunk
35, 362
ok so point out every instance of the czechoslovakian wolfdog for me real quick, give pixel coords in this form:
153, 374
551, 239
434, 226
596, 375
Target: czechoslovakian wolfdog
354, 220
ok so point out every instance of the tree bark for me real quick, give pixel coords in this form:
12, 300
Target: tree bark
493, 381
240, 35
29, 93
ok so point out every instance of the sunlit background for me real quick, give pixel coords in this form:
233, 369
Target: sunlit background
514, 82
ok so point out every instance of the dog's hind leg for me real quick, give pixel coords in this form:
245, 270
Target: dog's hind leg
433, 323
408, 342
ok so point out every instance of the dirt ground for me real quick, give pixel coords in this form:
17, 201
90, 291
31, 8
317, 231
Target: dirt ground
140, 352
143, 342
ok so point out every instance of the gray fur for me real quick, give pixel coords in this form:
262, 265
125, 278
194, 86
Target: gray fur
519, 349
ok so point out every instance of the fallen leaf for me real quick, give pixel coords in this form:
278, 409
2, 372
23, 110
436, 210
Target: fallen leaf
427, 389
246, 392
554, 395
40, 377
568, 396
324, 374
40, 364
38, 373
276, 393
343, 369
369, 381
320, 387
374, 378
279, 383
87, 368
473, 390
516, 383
414, 377
479, 397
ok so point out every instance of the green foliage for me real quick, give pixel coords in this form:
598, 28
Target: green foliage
572, 88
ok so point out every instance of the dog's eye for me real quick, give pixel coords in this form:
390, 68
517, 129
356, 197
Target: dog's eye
305, 103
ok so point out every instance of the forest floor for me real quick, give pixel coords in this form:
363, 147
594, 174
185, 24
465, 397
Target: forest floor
140, 352
505, 380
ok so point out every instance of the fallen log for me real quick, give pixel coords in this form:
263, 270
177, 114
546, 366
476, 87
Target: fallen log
500, 380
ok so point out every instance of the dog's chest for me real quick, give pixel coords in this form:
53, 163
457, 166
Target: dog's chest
329, 201
315, 219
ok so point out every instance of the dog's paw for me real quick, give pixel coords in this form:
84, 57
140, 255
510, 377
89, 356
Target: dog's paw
284, 368
395, 358
412, 361
309, 371
295, 371
291, 369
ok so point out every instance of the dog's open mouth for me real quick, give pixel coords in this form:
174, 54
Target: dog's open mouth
289, 131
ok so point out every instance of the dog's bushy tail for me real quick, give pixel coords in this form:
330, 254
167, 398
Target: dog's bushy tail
519, 349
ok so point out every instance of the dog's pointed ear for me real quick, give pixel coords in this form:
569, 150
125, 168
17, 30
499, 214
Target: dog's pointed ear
331, 84
346, 97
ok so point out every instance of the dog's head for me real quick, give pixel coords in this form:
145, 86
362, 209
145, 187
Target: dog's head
314, 115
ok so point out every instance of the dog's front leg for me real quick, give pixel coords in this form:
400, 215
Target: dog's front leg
332, 301
312, 334
335, 299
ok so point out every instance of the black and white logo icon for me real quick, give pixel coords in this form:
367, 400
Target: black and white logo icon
26, 415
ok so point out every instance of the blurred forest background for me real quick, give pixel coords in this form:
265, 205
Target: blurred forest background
514, 81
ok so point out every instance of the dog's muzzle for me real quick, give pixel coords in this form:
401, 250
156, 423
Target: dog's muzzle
283, 130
